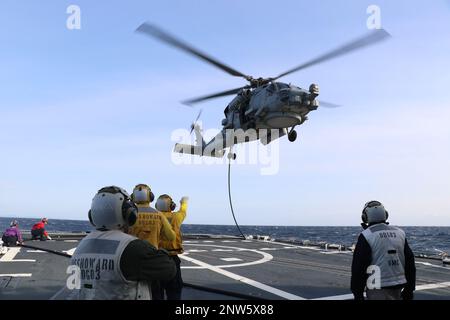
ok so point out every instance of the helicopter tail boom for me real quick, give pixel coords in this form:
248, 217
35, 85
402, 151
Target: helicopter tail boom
197, 150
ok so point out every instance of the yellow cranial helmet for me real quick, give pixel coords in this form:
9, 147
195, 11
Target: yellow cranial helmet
165, 203
142, 194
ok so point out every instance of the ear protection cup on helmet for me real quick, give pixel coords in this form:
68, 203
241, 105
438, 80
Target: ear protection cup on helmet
364, 216
173, 205
152, 196
129, 212
90, 218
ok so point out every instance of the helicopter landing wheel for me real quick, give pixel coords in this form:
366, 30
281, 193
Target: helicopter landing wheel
292, 136
232, 156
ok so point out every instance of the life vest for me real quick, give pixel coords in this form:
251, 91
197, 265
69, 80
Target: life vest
98, 257
38, 226
387, 244
148, 226
175, 246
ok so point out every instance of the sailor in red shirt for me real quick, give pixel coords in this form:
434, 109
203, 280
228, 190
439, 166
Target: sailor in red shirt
38, 231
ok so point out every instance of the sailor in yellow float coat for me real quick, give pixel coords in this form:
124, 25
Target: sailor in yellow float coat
151, 225
166, 205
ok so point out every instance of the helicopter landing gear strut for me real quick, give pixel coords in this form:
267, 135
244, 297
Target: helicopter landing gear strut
292, 135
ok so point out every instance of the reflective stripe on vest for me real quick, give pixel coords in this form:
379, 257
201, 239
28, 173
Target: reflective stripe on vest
387, 244
147, 209
98, 257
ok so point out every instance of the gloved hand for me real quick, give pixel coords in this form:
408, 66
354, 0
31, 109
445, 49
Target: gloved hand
49, 238
407, 294
184, 200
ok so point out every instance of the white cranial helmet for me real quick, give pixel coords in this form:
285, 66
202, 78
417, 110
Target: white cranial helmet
112, 209
374, 212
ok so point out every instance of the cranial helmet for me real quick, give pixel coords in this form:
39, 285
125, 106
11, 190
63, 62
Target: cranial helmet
165, 203
14, 223
142, 194
374, 212
112, 209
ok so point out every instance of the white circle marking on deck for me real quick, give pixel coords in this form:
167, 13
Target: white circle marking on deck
266, 257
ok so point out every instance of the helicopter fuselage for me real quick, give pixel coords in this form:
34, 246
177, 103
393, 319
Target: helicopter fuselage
275, 105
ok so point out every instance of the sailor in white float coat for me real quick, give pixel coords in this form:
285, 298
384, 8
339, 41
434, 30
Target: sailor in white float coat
383, 262
112, 264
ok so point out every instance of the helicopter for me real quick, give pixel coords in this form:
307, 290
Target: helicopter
264, 109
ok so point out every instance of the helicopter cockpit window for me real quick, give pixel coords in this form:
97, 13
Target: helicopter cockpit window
282, 86
284, 95
273, 87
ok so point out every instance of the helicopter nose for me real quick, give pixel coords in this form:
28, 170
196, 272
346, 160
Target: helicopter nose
295, 98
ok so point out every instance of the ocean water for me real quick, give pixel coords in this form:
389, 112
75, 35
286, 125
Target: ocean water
427, 240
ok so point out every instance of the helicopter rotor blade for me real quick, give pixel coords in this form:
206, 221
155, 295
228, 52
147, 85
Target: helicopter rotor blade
215, 95
372, 38
324, 104
156, 32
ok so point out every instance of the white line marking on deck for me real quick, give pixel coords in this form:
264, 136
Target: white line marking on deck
207, 241
292, 245
422, 287
70, 251
70, 240
229, 241
266, 257
432, 265
222, 250
10, 255
190, 241
335, 252
245, 280
339, 297
196, 250
230, 259
36, 251
15, 275
433, 286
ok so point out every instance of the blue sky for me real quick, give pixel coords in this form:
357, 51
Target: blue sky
81, 109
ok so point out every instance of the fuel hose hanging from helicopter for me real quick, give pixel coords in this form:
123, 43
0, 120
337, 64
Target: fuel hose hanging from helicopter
229, 193
231, 156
